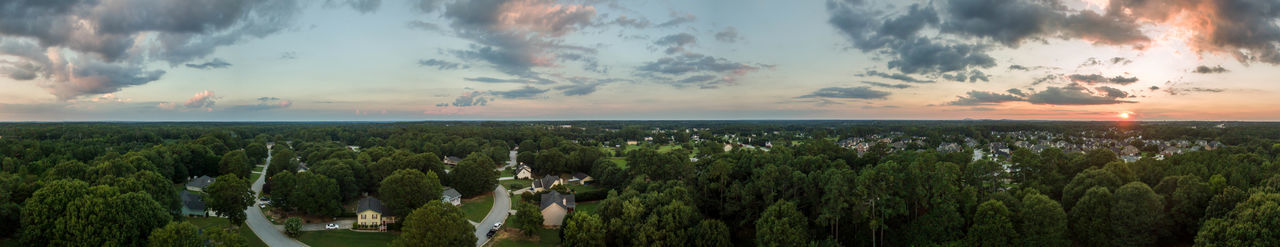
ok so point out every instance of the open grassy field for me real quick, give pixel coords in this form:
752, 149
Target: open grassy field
337, 238
587, 207
506, 173
622, 162
478, 207
245, 232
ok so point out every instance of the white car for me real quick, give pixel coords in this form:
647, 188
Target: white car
497, 225
331, 226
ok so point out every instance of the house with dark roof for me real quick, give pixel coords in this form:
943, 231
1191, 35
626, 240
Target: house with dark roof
452, 160
198, 184
545, 183
524, 172
580, 178
370, 212
451, 196
555, 206
192, 204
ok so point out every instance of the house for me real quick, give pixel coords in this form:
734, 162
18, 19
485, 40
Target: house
198, 184
524, 172
451, 196
192, 204
633, 142
545, 183
452, 160
555, 206
371, 213
580, 178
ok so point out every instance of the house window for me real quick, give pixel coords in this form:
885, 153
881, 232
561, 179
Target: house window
362, 217
375, 216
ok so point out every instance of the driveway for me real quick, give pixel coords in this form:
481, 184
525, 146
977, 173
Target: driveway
501, 206
259, 223
342, 224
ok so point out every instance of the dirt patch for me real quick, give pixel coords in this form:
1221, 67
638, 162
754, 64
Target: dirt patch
514, 234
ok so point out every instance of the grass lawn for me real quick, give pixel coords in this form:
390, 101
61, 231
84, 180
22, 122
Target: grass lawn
245, 232
546, 237
668, 148
584, 188
254, 177
506, 173
259, 168
587, 207
346, 238
477, 208
516, 184
622, 162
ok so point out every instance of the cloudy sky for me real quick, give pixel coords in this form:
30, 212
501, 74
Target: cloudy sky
376, 60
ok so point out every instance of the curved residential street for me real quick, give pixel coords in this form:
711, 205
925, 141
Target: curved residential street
501, 205
259, 223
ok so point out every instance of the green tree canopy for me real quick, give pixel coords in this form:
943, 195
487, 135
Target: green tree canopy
584, 230
1252, 223
1137, 215
781, 225
228, 196
475, 175
528, 219
1043, 223
992, 226
176, 234
1090, 219
235, 162
436, 224
408, 189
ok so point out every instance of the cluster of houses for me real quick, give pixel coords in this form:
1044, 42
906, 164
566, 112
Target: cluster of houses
371, 214
554, 205
1035, 141
192, 200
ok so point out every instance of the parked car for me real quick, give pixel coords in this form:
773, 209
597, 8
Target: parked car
494, 230
331, 226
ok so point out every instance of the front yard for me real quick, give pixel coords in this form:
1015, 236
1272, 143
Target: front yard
346, 238
245, 232
510, 236
516, 184
477, 208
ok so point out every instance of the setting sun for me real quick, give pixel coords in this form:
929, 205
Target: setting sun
1124, 115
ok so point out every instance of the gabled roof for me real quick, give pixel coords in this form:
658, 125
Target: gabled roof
555, 198
580, 176
451, 193
192, 201
545, 181
452, 159
370, 203
201, 182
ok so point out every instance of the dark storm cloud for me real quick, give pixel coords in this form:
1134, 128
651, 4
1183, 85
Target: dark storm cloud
896, 76
1210, 70
526, 92
705, 70
1072, 95
216, 63
1015, 91
1096, 78
675, 43
178, 32
728, 35
442, 64
474, 98
971, 76
886, 85
1248, 30
1112, 92
862, 92
984, 98
925, 56
520, 80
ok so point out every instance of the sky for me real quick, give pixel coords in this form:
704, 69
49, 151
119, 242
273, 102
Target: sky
409, 60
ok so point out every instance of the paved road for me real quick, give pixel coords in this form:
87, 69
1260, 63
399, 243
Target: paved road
512, 161
342, 224
259, 223
501, 205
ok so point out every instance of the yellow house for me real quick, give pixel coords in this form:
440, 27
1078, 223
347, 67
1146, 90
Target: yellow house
370, 213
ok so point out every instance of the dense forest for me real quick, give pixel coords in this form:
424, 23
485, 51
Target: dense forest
117, 184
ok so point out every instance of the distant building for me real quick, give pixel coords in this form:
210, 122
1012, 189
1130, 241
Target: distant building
580, 178
555, 206
198, 184
524, 172
452, 160
451, 196
545, 183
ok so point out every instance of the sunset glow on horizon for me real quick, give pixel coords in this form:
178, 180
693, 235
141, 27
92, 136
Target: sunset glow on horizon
389, 60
